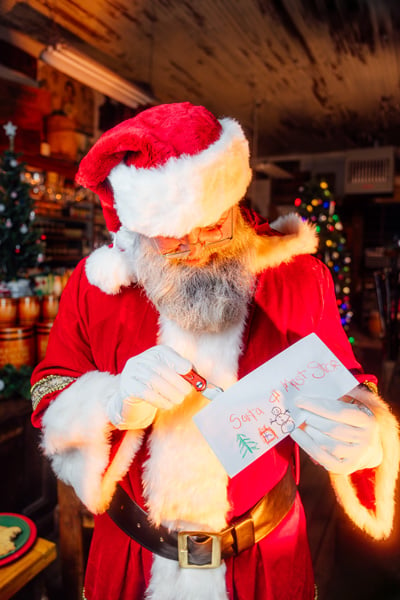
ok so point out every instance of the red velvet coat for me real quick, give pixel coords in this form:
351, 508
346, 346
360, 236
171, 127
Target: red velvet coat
94, 335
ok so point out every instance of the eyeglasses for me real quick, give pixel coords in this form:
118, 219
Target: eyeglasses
211, 236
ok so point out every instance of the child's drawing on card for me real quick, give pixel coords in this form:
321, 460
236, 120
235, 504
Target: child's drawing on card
283, 419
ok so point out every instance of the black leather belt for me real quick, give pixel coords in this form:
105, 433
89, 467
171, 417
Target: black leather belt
200, 549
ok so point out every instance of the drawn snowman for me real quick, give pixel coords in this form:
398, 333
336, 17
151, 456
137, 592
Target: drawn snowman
283, 419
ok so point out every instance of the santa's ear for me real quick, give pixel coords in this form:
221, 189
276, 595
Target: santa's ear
108, 269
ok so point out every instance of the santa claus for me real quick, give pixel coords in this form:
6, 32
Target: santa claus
193, 283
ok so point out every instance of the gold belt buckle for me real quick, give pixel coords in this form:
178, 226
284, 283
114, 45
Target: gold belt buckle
183, 552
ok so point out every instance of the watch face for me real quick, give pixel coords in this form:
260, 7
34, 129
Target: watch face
17, 535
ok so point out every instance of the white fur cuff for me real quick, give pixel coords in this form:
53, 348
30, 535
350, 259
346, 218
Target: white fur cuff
76, 437
377, 523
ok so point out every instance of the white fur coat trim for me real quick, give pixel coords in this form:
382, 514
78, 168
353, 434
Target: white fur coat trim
185, 485
187, 584
185, 192
299, 237
376, 523
76, 438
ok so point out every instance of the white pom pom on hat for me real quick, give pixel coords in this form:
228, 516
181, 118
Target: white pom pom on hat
108, 269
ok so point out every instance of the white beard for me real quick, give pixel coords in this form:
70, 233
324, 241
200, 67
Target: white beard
207, 298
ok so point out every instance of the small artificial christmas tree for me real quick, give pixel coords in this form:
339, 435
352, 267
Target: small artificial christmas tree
20, 245
316, 204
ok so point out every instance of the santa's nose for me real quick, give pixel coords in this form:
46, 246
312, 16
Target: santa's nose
196, 252
204, 235
193, 236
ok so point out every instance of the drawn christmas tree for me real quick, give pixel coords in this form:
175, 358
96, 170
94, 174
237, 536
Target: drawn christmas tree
20, 245
246, 445
316, 203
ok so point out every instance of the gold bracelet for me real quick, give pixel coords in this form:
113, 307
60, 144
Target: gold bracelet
47, 385
371, 386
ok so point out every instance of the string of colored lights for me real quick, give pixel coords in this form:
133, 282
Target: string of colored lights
316, 204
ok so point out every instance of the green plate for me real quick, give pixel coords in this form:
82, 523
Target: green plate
25, 524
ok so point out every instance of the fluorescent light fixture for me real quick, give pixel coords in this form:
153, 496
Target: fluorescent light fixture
87, 71
272, 170
17, 77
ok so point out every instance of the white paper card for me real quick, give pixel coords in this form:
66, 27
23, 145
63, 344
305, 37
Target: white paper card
250, 417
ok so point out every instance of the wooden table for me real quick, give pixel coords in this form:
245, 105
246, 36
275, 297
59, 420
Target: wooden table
17, 574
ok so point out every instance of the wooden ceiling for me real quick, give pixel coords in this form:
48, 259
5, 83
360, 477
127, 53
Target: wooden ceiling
300, 75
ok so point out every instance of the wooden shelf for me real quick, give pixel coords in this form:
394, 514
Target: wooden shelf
60, 219
64, 167
68, 216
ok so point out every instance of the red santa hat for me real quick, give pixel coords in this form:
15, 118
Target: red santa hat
168, 170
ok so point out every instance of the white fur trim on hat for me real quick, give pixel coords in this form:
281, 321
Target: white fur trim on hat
186, 192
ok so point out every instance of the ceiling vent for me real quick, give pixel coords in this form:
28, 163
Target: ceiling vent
369, 171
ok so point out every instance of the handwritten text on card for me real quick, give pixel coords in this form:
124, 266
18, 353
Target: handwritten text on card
253, 415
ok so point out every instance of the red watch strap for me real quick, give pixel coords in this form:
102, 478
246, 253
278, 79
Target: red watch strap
196, 380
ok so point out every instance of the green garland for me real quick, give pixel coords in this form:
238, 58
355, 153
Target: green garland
15, 383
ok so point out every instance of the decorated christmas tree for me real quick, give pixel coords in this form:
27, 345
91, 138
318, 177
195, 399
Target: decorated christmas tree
315, 203
20, 246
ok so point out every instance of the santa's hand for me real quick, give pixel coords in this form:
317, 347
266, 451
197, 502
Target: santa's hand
341, 435
149, 381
